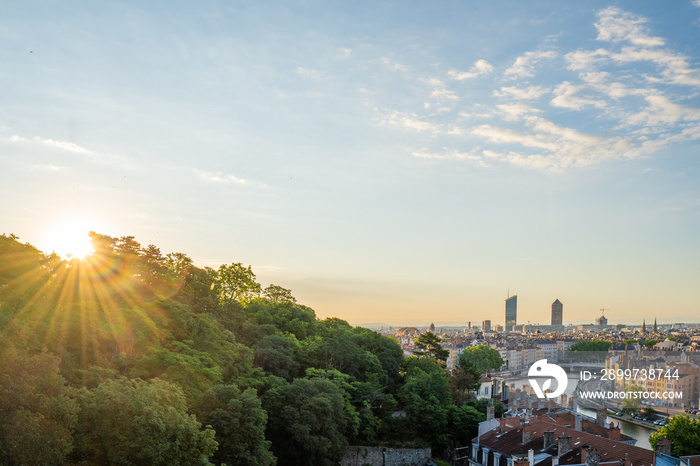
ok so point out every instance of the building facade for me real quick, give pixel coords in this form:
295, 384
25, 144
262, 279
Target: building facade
557, 312
511, 312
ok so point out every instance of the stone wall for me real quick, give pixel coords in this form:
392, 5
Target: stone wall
380, 456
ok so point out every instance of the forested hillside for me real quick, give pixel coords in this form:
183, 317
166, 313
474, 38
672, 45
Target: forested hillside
135, 357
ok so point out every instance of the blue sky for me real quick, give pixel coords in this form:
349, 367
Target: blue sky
399, 162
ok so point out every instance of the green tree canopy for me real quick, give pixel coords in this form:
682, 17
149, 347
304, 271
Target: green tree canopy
428, 346
277, 294
236, 283
308, 423
481, 358
591, 345
126, 421
684, 434
239, 422
37, 410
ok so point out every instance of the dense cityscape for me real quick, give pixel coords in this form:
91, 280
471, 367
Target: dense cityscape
637, 360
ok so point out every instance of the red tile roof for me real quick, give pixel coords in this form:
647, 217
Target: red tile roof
510, 443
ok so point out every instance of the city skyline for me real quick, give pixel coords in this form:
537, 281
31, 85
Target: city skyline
383, 161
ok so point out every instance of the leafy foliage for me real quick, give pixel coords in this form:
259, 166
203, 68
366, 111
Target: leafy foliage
591, 345
428, 345
126, 421
133, 356
684, 434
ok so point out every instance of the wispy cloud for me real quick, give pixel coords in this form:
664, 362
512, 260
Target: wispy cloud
47, 167
63, 145
527, 93
411, 121
218, 177
393, 65
566, 97
615, 25
627, 108
453, 154
307, 73
525, 64
480, 68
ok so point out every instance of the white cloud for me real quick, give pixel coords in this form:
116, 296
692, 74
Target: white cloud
525, 64
513, 112
301, 71
629, 88
615, 25
452, 154
661, 111
440, 91
585, 59
63, 145
528, 93
480, 68
47, 167
393, 65
410, 121
219, 177
508, 136
566, 98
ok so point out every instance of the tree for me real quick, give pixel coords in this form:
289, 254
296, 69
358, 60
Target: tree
684, 434
277, 294
308, 424
632, 399
239, 422
37, 410
275, 354
428, 345
481, 358
236, 283
126, 421
592, 345
427, 399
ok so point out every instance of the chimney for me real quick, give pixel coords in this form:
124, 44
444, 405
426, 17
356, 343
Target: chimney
578, 422
531, 457
614, 432
490, 410
502, 425
663, 446
527, 434
585, 426
626, 461
548, 439
590, 455
564, 444
600, 416
574, 404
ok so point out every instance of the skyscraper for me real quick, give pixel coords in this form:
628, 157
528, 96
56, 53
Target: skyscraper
557, 312
511, 312
486, 326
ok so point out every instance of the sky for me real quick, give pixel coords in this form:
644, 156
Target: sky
398, 162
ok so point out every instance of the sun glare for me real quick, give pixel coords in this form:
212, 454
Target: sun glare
69, 240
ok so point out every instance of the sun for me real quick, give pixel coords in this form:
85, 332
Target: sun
69, 239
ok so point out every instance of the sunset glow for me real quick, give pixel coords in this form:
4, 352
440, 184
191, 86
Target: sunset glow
68, 239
